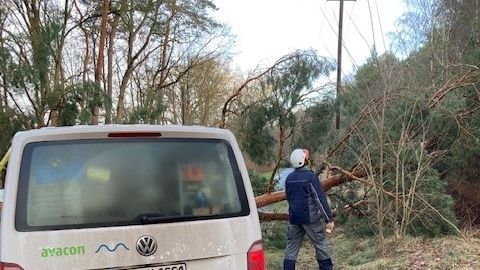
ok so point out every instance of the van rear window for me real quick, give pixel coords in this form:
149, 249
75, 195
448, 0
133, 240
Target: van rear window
116, 182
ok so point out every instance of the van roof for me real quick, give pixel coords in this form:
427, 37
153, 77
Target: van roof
124, 128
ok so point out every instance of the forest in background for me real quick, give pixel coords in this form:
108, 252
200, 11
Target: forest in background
405, 160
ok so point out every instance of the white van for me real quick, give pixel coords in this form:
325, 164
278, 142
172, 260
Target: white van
128, 197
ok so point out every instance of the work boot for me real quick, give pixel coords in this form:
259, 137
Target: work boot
288, 265
325, 264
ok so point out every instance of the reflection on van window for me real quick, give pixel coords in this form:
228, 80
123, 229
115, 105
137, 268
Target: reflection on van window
99, 182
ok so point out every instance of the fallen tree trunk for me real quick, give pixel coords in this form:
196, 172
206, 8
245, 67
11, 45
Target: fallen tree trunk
266, 216
328, 183
272, 216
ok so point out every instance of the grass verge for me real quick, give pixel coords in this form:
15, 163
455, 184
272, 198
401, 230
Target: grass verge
411, 253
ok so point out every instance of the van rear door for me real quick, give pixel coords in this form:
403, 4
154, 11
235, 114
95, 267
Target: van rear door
103, 201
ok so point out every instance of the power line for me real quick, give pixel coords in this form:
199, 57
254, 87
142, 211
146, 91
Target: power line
344, 46
371, 24
381, 28
343, 43
323, 43
358, 31
339, 65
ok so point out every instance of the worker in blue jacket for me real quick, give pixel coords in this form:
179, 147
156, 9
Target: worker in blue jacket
308, 212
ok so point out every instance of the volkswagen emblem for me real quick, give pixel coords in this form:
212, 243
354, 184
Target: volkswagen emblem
146, 245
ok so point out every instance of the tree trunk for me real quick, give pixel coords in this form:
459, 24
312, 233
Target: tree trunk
100, 58
1, 103
281, 142
121, 96
272, 216
166, 39
58, 77
108, 103
132, 58
40, 61
164, 58
183, 105
86, 58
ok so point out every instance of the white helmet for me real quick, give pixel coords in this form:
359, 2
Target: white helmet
298, 157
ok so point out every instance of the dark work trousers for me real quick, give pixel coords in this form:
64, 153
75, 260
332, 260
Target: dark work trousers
316, 233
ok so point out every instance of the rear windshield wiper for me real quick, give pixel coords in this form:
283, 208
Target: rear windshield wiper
157, 218
150, 218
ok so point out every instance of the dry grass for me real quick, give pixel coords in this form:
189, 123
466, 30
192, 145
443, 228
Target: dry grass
412, 253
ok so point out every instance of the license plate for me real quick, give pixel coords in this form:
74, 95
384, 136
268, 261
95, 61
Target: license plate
180, 266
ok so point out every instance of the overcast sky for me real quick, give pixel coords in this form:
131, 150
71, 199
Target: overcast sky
268, 29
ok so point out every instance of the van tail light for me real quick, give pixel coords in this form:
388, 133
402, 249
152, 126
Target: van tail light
10, 266
256, 257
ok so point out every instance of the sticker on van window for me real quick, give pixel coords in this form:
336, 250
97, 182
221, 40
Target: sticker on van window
63, 251
206, 211
193, 173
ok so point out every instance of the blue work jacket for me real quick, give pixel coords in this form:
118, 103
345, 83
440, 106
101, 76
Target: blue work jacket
306, 199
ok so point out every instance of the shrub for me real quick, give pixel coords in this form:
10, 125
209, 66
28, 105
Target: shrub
356, 226
274, 234
259, 183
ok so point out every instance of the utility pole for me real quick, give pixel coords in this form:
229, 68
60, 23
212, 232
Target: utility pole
339, 63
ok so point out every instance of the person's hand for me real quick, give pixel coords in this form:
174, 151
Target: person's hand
329, 227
